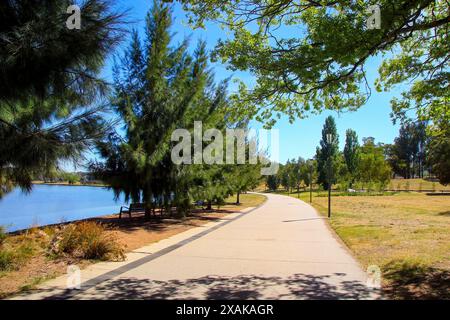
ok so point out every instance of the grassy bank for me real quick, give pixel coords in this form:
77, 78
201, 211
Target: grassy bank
38, 254
405, 234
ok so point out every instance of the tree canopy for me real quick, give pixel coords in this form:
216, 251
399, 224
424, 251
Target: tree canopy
312, 55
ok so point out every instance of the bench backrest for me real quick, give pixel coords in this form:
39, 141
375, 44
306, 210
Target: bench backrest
137, 206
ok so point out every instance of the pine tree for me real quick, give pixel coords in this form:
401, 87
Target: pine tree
372, 166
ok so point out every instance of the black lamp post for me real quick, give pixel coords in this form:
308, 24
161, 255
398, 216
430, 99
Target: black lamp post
289, 184
310, 181
329, 141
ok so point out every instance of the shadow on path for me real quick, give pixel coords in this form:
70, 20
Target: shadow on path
298, 286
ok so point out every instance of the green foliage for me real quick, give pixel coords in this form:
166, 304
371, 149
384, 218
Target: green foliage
364, 165
272, 182
50, 92
12, 257
372, 167
407, 155
295, 174
7, 260
311, 55
439, 157
70, 177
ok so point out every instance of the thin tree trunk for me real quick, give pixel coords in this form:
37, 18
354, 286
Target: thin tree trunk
147, 212
237, 198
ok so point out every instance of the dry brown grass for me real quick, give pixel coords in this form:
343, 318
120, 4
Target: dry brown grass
407, 235
416, 185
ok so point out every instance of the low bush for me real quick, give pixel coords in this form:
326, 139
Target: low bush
7, 260
12, 257
2, 235
87, 240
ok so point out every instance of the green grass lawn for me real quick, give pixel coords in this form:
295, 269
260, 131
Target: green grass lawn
246, 200
406, 234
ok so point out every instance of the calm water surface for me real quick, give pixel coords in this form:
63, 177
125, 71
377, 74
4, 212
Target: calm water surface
47, 204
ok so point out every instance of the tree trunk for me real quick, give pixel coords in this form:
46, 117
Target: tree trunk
148, 211
209, 205
237, 198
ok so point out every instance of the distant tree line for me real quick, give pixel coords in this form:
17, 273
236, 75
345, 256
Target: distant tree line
417, 153
369, 166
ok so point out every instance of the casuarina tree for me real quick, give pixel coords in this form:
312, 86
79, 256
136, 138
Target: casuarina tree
50, 90
158, 87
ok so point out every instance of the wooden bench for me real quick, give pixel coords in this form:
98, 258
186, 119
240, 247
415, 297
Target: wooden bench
134, 207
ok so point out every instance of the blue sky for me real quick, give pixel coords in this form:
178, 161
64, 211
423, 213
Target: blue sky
301, 137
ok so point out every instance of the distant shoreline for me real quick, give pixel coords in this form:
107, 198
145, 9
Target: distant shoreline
66, 184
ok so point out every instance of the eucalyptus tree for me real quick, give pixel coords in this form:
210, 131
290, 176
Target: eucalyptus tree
439, 157
372, 166
50, 89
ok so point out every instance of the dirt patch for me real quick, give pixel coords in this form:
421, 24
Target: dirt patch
138, 231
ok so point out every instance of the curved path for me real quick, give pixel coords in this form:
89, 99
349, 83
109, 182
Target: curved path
280, 250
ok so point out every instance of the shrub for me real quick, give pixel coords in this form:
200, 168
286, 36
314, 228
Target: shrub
2, 235
6, 260
87, 240
11, 258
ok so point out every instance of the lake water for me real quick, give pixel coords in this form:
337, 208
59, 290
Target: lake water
48, 204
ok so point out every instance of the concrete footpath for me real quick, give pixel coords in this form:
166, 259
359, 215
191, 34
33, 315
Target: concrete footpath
280, 250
